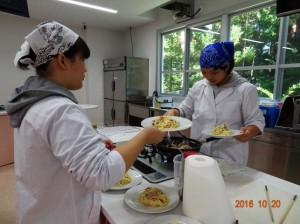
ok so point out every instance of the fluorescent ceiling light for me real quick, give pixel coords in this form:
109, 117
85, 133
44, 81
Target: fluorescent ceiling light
89, 6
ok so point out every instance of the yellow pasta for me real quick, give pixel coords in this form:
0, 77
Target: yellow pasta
124, 181
154, 197
165, 123
222, 129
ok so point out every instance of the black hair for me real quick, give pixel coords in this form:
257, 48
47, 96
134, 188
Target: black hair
79, 47
224, 67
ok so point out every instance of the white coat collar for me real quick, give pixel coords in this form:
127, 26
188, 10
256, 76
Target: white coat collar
209, 94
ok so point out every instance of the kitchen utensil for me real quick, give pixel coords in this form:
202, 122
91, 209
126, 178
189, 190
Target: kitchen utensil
169, 138
185, 139
177, 166
175, 148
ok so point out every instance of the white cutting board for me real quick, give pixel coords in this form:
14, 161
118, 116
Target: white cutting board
119, 133
246, 189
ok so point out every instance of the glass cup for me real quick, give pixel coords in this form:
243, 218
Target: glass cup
177, 170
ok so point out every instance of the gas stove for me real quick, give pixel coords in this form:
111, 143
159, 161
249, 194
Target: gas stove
154, 166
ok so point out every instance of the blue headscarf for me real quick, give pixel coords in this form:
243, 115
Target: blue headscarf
219, 54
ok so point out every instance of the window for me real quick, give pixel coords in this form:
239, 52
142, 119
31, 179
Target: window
199, 37
267, 52
180, 71
255, 35
173, 56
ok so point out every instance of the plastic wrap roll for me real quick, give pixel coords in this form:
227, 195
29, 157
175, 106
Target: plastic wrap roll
204, 194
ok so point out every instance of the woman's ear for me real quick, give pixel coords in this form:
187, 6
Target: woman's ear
61, 60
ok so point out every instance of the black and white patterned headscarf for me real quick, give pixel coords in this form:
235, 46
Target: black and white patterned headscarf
46, 40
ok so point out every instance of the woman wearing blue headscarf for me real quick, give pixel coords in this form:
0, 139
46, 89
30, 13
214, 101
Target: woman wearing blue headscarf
223, 97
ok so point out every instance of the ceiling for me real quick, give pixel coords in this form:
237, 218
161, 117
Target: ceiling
131, 13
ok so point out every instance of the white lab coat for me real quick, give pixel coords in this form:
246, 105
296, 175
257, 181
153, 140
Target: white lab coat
237, 104
61, 165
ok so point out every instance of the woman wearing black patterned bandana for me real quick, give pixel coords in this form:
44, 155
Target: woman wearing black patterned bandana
223, 97
61, 163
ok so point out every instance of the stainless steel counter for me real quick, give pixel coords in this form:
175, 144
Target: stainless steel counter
283, 132
276, 152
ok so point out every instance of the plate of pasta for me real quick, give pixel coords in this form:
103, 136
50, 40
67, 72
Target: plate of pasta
222, 131
167, 123
130, 179
173, 219
151, 198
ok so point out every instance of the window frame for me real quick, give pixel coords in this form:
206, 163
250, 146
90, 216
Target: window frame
225, 33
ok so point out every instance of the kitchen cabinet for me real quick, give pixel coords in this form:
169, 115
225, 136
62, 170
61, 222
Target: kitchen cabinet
156, 111
6, 141
276, 152
137, 113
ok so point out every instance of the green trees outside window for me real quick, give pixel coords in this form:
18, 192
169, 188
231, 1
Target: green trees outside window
267, 52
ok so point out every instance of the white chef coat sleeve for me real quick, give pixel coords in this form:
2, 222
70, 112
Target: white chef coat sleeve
80, 150
252, 115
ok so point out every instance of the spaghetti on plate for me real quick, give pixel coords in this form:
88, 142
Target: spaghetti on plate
154, 197
124, 181
222, 129
164, 122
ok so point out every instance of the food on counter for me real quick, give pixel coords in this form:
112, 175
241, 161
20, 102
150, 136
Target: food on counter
124, 181
154, 197
222, 129
165, 123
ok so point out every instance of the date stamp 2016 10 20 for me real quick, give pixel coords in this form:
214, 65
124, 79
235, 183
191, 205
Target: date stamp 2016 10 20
257, 203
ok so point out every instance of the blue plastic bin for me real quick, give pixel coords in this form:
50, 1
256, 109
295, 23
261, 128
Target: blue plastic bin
271, 114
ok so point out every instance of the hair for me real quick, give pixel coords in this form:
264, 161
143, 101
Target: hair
79, 47
224, 67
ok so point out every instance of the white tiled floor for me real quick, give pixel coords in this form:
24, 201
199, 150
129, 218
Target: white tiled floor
7, 194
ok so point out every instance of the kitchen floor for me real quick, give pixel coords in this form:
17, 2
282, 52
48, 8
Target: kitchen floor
7, 194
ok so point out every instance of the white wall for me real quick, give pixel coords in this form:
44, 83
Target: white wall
13, 30
12, 36
103, 44
145, 43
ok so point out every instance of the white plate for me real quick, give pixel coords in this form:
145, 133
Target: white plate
183, 123
132, 198
136, 179
174, 219
234, 133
